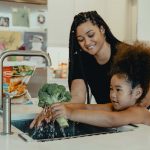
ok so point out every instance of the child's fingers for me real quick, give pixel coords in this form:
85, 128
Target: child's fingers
36, 122
38, 119
55, 105
48, 119
57, 108
32, 124
58, 114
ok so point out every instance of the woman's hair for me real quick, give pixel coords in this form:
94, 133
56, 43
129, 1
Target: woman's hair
133, 62
74, 46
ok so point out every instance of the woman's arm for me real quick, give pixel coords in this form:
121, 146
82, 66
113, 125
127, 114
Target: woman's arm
78, 91
146, 101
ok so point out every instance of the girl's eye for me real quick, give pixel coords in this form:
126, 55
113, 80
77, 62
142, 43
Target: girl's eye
118, 90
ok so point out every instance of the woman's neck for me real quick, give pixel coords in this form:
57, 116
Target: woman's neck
103, 56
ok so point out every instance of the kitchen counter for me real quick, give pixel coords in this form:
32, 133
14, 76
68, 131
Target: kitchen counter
139, 139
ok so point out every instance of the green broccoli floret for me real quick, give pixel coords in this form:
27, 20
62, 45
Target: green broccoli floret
53, 93
44, 87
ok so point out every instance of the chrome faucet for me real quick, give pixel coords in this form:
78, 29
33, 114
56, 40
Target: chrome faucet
5, 107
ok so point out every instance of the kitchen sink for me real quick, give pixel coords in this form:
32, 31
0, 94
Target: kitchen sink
52, 131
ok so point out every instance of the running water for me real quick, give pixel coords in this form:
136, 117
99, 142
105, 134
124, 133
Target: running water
37, 132
47, 131
52, 130
63, 131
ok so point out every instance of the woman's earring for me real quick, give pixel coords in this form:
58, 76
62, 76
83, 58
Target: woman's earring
102, 30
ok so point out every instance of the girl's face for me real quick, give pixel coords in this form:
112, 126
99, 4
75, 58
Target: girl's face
90, 37
121, 93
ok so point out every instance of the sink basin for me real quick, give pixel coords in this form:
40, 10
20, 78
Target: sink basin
52, 131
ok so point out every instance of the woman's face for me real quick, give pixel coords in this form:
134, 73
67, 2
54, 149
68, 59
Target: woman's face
121, 93
90, 37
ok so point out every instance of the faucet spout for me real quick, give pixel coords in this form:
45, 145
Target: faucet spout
5, 105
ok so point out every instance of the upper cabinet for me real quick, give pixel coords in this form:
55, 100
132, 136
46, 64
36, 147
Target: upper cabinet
42, 2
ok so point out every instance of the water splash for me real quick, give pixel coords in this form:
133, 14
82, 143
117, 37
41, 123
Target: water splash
53, 131
63, 132
46, 131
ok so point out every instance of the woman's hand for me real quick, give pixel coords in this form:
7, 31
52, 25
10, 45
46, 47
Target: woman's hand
145, 103
44, 115
139, 115
60, 110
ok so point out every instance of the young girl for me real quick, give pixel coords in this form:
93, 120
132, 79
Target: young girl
129, 84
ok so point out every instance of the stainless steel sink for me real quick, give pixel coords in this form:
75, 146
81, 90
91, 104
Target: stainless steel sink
50, 132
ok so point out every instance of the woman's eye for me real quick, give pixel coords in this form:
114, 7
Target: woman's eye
110, 88
91, 35
80, 39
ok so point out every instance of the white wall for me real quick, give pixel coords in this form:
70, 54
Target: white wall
61, 13
143, 24
58, 55
114, 12
60, 16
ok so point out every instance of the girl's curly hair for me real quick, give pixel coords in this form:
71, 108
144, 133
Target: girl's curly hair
133, 61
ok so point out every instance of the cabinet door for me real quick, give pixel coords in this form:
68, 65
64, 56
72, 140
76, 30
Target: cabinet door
43, 2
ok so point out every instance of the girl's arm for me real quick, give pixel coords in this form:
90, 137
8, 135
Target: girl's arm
135, 115
106, 107
102, 118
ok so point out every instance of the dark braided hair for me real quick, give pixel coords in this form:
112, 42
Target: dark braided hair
74, 46
133, 62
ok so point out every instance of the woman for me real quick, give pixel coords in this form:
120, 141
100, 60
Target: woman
92, 47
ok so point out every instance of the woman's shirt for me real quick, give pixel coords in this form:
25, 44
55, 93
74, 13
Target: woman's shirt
96, 75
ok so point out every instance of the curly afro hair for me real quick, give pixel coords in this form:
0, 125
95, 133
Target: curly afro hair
133, 61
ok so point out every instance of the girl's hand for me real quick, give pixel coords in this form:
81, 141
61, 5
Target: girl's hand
45, 115
60, 110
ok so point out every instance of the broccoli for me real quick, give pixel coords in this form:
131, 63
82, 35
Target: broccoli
52, 93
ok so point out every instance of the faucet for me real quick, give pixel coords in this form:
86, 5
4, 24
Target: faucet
5, 107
